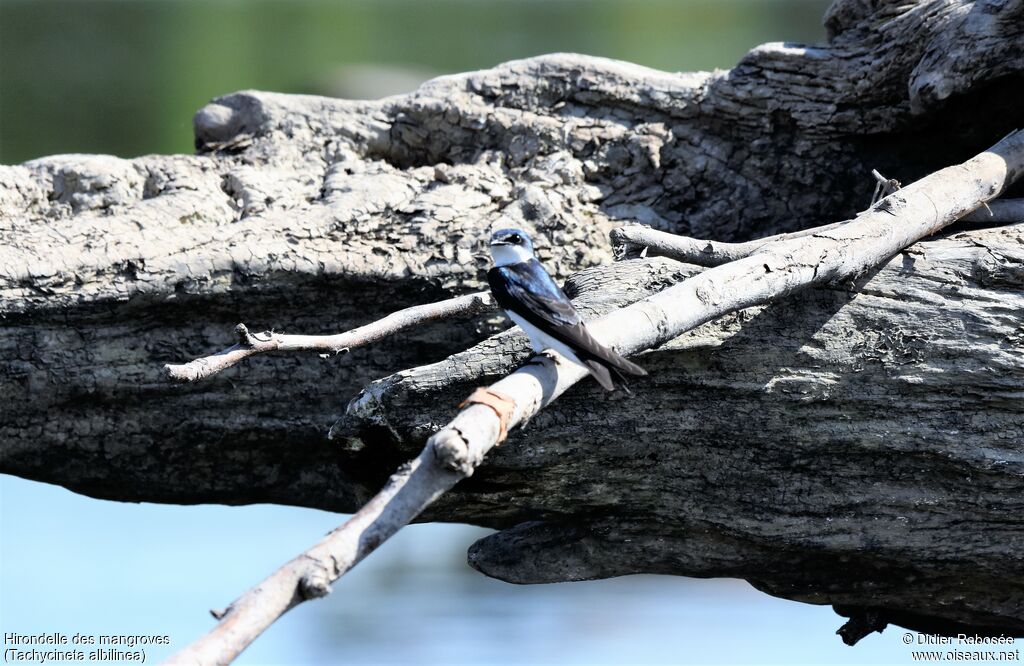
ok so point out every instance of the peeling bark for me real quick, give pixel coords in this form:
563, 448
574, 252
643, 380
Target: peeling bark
857, 446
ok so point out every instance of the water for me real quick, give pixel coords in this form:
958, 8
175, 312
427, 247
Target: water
73, 564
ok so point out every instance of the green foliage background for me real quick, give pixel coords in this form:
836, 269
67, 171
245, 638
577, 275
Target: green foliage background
125, 76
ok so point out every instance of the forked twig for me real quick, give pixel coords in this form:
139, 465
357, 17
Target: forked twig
883, 186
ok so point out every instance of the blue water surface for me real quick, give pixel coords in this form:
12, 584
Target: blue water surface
74, 564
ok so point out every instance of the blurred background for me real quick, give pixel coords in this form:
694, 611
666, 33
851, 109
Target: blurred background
124, 77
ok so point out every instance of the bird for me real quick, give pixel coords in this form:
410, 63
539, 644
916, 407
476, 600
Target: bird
534, 301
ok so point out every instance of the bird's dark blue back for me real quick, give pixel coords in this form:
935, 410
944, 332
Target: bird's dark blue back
528, 290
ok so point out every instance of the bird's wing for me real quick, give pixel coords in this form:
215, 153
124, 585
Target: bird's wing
527, 290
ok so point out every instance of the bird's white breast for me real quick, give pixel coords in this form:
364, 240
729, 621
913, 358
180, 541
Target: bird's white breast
504, 255
539, 340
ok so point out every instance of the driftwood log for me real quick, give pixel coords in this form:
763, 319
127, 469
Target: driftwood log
858, 445
831, 256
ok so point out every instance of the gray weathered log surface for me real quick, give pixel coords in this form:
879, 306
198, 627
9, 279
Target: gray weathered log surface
852, 444
856, 446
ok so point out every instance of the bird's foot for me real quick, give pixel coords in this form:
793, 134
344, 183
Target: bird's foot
538, 358
553, 356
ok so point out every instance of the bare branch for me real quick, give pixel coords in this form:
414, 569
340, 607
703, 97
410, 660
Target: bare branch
413, 487
267, 341
636, 239
455, 451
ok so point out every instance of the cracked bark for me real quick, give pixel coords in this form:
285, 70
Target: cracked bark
855, 445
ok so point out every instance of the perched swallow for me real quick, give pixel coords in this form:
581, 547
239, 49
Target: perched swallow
532, 300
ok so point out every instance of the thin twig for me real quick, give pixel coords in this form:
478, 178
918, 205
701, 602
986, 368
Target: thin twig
250, 344
455, 451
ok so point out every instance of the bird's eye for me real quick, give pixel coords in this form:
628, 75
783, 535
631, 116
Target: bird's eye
515, 238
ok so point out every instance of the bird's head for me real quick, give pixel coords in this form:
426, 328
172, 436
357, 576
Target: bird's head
510, 246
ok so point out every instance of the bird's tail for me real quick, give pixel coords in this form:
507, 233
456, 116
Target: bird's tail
619, 363
609, 374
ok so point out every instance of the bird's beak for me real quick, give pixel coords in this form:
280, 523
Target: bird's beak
499, 242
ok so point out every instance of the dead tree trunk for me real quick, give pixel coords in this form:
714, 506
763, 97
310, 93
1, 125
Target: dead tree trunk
857, 446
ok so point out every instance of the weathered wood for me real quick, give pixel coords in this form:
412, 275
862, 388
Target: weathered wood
828, 256
856, 445
309, 215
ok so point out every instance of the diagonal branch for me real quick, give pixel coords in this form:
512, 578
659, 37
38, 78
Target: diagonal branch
250, 344
635, 239
308, 576
455, 451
